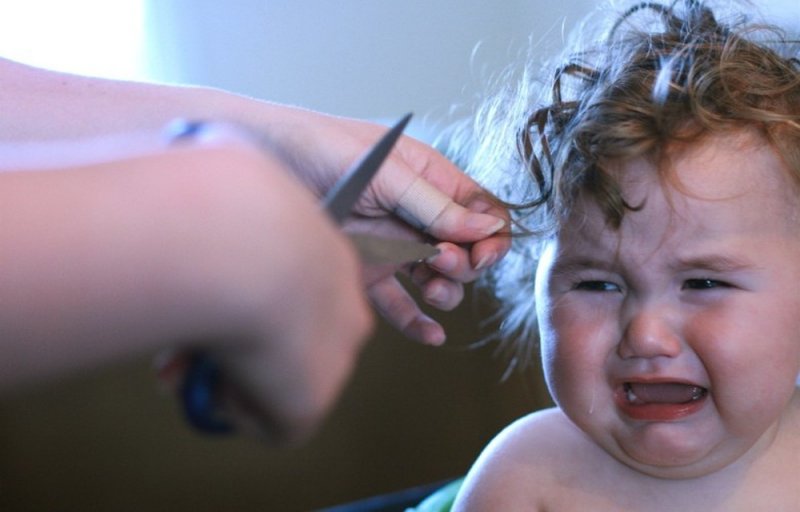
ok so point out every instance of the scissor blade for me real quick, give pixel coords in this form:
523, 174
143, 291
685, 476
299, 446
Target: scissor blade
340, 199
378, 251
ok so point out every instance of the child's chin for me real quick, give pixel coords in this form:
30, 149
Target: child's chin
671, 460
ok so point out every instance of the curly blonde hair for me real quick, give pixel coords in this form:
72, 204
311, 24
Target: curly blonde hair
660, 74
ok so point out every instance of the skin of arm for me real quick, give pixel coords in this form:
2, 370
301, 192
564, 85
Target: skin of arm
42, 105
176, 248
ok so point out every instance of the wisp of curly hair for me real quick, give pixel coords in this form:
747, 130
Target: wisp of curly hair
660, 74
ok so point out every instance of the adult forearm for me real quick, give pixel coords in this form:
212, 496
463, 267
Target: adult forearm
39, 104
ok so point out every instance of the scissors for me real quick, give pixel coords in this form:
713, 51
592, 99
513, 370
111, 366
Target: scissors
201, 382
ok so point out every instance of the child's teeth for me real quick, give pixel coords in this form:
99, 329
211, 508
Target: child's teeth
665, 393
631, 396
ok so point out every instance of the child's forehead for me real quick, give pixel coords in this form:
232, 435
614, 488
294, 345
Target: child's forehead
728, 174
717, 166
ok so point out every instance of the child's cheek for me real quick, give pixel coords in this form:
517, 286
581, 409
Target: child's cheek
575, 342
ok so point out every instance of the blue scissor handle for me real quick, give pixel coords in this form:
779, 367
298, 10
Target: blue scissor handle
198, 395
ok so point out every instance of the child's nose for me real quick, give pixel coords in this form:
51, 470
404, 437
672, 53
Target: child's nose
648, 334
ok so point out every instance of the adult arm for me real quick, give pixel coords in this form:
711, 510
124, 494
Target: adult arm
41, 105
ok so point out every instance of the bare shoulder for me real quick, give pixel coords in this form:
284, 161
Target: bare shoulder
517, 470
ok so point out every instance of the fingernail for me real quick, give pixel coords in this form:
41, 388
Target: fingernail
436, 294
487, 224
484, 262
433, 332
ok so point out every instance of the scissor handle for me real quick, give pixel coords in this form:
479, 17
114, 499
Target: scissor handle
198, 395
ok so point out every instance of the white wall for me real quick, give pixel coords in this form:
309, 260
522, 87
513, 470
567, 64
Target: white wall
365, 58
90, 37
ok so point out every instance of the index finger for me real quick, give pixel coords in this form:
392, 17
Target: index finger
429, 209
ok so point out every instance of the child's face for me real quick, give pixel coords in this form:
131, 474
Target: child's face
674, 342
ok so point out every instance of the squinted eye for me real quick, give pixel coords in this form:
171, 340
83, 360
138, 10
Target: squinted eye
703, 284
596, 286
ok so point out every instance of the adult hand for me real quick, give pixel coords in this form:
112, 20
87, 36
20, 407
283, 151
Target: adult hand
309, 314
287, 387
417, 194
122, 246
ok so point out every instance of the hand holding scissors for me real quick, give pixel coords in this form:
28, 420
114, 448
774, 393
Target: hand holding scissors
200, 389
419, 204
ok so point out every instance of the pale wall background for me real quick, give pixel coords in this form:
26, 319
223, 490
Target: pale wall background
362, 58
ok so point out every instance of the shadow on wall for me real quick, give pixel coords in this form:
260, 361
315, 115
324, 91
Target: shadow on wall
412, 415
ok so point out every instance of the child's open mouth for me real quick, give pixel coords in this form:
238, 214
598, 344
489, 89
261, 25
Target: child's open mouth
665, 392
660, 401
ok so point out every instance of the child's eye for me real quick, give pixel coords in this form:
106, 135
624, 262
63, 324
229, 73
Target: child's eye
704, 284
596, 286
